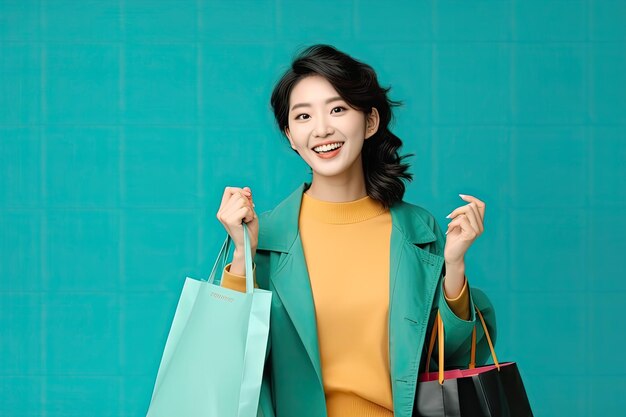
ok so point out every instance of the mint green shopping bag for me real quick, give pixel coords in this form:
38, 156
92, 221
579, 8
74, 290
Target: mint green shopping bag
213, 360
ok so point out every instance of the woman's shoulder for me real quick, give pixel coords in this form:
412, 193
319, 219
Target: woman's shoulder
415, 210
416, 222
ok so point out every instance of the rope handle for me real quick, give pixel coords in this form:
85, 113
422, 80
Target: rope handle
438, 333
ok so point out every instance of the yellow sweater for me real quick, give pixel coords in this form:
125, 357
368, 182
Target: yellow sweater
346, 247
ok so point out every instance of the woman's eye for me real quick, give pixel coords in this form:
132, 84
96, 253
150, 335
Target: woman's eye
304, 116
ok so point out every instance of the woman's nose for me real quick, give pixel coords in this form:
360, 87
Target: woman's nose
323, 128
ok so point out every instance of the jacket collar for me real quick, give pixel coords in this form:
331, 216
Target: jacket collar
279, 228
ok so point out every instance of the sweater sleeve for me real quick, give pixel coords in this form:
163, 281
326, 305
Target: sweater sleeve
236, 282
459, 305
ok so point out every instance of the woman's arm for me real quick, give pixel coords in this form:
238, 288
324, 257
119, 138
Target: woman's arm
459, 316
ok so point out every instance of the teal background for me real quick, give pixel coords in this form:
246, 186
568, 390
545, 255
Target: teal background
121, 122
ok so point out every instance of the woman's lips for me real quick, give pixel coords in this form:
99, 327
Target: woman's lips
331, 154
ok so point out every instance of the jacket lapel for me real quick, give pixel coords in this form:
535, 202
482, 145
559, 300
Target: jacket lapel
413, 283
279, 231
413, 277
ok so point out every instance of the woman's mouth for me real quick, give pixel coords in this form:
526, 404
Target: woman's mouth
328, 151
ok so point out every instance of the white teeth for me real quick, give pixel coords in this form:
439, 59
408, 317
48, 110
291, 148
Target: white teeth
325, 148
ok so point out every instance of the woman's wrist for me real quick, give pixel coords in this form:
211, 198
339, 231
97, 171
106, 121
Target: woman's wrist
240, 255
454, 279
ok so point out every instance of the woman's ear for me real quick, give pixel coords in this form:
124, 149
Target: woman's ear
288, 134
372, 121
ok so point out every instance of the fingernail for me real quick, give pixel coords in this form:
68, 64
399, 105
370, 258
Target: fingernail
462, 195
447, 232
448, 216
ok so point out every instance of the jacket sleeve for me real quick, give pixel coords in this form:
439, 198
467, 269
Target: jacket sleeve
260, 265
458, 323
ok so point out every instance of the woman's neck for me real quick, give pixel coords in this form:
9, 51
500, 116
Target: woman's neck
337, 191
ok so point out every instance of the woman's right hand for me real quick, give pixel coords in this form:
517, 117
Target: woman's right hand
237, 207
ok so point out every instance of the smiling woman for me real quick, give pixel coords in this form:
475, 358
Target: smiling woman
357, 274
324, 125
328, 97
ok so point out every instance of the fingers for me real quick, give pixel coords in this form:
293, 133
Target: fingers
463, 223
467, 210
245, 213
470, 215
480, 205
477, 217
248, 193
230, 191
236, 206
477, 206
455, 223
235, 209
240, 207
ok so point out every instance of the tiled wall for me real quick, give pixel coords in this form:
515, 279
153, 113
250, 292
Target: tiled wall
121, 122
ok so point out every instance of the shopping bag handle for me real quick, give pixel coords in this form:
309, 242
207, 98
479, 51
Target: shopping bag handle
220, 262
438, 334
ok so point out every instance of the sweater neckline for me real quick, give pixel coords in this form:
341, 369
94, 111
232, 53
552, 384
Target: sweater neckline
344, 212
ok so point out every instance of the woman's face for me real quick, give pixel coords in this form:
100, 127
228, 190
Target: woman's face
317, 116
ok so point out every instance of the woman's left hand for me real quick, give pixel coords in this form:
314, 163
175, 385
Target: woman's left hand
465, 227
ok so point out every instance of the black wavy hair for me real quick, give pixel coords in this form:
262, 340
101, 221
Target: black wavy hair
357, 83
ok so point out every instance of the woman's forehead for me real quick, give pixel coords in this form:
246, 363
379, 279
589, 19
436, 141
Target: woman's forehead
313, 89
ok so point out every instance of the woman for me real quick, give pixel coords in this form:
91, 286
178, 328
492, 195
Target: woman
357, 274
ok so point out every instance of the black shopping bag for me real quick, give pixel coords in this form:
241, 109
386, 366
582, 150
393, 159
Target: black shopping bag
494, 390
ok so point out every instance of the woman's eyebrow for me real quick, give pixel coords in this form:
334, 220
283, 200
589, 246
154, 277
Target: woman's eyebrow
330, 100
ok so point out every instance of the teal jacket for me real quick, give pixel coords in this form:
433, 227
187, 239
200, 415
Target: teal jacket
292, 382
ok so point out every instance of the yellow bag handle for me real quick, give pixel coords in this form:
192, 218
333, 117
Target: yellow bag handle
438, 331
